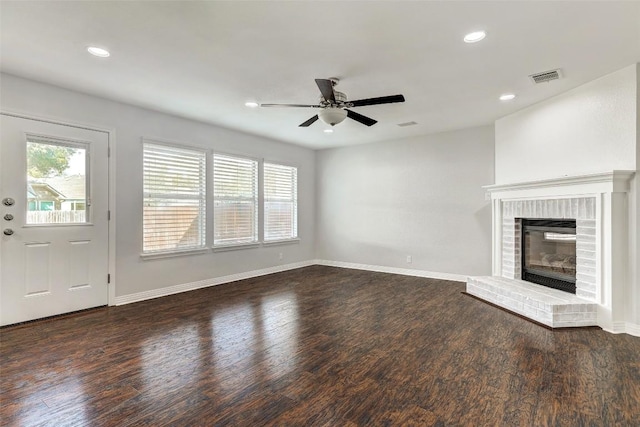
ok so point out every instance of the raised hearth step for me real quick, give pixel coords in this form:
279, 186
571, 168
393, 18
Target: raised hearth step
550, 307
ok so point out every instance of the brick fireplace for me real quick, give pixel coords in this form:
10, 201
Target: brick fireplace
598, 204
581, 209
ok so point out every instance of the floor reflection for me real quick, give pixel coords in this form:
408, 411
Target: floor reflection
280, 324
234, 345
171, 358
65, 399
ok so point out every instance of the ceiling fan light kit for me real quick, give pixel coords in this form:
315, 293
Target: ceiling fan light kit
333, 105
332, 115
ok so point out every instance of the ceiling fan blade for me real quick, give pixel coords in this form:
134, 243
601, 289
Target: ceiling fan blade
291, 105
360, 118
309, 122
326, 89
376, 101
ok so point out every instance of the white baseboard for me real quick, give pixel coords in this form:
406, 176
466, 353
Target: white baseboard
394, 270
624, 328
617, 327
633, 329
184, 287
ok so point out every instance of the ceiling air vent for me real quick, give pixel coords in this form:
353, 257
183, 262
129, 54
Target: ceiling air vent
545, 76
407, 124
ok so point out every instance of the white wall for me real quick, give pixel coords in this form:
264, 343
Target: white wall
592, 128
134, 275
378, 203
587, 130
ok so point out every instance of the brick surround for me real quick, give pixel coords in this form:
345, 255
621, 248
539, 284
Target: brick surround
581, 209
599, 205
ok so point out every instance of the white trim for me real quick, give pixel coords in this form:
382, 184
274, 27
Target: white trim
281, 242
184, 287
279, 162
173, 253
618, 178
56, 121
174, 144
624, 328
395, 270
234, 246
111, 154
170, 290
633, 329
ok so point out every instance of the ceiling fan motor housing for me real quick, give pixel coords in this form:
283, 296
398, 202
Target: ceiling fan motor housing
340, 97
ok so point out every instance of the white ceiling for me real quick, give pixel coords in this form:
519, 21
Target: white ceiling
204, 60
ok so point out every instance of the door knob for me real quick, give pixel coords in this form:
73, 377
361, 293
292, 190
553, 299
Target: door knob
8, 217
8, 201
7, 232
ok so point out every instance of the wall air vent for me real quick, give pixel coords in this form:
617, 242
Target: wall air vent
545, 76
407, 124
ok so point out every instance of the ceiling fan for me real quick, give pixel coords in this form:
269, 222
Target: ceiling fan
334, 105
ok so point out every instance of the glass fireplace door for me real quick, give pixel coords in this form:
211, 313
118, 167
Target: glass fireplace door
549, 253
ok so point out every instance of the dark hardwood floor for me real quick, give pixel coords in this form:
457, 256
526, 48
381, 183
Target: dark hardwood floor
317, 346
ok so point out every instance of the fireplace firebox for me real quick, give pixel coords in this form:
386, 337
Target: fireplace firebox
549, 253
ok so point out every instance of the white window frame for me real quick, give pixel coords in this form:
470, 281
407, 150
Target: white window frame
199, 196
292, 198
254, 240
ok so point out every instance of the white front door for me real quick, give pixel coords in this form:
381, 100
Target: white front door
54, 215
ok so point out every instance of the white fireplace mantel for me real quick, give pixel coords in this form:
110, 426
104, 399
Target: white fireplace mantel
602, 200
611, 182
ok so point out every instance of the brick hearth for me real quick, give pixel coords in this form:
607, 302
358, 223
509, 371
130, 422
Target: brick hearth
551, 307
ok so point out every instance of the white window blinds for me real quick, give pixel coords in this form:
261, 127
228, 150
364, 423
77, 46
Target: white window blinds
174, 198
235, 200
280, 202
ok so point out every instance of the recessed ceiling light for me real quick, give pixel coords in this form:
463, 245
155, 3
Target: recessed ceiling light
328, 131
474, 37
251, 104
98, 51
507, 97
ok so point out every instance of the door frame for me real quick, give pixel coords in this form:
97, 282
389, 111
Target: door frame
111, 184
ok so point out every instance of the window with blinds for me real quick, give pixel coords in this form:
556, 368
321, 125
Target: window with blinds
280, 202
174, 185
235, 200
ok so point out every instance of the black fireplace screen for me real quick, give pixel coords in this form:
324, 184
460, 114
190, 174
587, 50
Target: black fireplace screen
549, 253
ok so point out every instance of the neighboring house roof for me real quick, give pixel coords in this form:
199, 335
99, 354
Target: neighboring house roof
69, 187
43, 191
31, 193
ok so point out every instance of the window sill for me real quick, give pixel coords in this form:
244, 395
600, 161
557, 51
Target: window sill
172, 254
234, 247
59, 224
219, 248
281, 242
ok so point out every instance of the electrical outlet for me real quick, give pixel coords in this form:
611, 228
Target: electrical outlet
409, 259
280, 255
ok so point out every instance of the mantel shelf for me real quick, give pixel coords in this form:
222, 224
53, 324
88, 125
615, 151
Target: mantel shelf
619, 179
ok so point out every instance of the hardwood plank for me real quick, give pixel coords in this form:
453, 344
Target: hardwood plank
317, 346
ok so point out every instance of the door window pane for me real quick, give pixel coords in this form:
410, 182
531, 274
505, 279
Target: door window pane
56, 182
